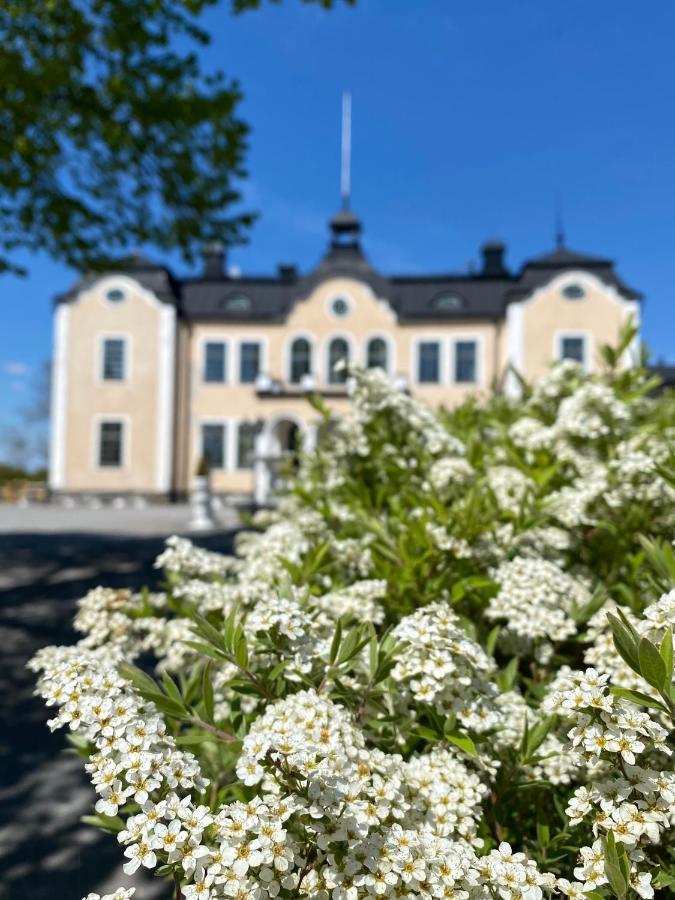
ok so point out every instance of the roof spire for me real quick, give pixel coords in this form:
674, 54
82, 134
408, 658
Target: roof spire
559, 226
346, 156
345, 227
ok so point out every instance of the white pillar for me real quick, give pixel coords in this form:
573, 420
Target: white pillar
59, 396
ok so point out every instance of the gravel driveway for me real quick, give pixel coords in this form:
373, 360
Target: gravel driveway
48, 559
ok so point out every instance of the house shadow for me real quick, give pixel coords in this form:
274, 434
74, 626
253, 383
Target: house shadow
45, 851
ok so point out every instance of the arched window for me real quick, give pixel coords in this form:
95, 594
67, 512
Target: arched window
301, 360
338, 352
376, 354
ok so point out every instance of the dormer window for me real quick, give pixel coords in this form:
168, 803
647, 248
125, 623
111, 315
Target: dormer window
573, 292
449, 302
238, 303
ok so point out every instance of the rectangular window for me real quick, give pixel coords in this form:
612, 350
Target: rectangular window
215, 361
110, 436
428, 362
573, 348
246, 436
213, 445
114, 361
249, 361
465, 362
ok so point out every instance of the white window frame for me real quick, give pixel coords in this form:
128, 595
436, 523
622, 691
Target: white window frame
126, 339
125, 456
415, 360
288, 355
478, 340
250, 339
228, 368
391, 349
353, 357
224, 422
584, 335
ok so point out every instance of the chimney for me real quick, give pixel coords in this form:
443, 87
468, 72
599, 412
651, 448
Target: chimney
213, 255
493, 259
287, 272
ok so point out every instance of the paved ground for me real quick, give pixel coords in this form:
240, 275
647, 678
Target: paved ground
48, 559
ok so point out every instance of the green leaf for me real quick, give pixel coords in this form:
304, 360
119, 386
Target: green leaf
537, 736
229, 628
491, 640
351, 645
614, 868
208, 632
335, 643
206, 649
543, 834
278, 669
374, 655
666, 654
652, 666
111, 824
171, 688
164, 704
461, 740
637, 697
241, 651
624, 642
507, 676
137, 677
207, 692
192, 739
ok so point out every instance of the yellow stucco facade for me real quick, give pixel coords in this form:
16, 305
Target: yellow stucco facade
143, 430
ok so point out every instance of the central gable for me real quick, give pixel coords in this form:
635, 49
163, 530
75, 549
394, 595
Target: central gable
341, 304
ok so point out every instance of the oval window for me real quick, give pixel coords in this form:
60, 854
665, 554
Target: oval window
340, 307
115, 295
573, 292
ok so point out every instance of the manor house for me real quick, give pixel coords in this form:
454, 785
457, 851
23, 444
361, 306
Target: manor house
152, 371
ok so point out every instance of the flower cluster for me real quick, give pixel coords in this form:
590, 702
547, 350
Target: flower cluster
440, 668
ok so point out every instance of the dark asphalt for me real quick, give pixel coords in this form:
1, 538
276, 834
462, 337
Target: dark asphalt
45, 852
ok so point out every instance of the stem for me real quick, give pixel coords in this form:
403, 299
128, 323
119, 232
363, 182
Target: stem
178, 893
223, 735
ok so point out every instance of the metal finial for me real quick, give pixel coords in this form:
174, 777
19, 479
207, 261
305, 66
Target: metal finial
559, 226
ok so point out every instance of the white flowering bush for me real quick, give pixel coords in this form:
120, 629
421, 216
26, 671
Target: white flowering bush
442, 667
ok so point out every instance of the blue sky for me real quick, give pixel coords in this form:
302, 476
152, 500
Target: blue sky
470, 119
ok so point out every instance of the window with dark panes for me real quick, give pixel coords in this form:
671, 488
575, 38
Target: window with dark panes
114, 362
110, 438
215, 361
466, 353
301, 360
428, 362
572, 348
338, 356
213, 445
249, 361
376, 355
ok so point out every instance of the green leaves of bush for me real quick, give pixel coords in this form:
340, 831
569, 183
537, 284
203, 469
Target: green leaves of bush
654, 664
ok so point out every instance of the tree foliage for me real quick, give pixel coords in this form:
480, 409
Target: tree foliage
112, 135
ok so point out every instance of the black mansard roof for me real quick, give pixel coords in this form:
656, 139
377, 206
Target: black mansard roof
483, 294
